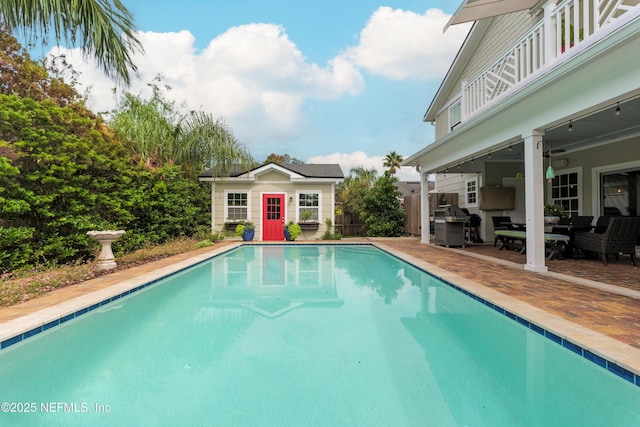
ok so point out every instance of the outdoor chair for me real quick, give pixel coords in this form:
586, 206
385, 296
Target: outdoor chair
501, 223
602, 224
620, 237
582, 220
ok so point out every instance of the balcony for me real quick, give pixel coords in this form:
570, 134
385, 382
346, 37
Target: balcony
549, 41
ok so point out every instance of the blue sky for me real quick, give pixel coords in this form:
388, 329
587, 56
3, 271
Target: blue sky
325, 82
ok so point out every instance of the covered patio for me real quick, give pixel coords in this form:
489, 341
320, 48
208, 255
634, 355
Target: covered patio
559, 122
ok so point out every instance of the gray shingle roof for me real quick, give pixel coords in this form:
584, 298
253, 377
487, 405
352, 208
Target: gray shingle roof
306, 170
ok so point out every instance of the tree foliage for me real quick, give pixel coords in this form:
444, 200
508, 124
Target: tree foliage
104, 29
392, 161
353, 189
23, 77
157, 134
282, 159
63, 173
382, 211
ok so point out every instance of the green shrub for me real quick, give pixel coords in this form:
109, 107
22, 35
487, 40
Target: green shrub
330, 234
294, 230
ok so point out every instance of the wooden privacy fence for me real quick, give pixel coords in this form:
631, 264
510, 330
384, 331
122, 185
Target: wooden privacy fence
412, 208
412, 215
347, 224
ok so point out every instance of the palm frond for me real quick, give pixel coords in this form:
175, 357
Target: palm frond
105, 29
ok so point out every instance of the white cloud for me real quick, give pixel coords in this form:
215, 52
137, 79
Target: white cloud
252, 75
348, 161
400, 44
257, 79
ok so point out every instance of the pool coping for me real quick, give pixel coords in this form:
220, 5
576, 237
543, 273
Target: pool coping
600, 349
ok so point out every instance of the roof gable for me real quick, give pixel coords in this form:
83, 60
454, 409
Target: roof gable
293, 171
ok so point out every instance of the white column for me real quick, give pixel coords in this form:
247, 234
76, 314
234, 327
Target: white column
534, 200
424, 208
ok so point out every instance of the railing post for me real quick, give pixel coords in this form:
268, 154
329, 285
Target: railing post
463, 101
549, 33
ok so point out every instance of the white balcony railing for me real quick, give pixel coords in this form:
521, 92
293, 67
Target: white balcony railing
544, 43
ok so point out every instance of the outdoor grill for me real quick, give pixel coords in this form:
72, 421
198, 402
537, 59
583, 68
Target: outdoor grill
449, 225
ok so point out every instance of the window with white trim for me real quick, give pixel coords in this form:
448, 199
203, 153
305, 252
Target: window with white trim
455, 114
237, 206
309, 202
565, 192
471, 192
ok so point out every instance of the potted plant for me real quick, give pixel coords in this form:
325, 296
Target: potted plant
571, 36
292, 231
553, 213
305, 221
246, 230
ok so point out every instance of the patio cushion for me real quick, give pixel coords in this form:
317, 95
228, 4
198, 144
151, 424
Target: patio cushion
522, 235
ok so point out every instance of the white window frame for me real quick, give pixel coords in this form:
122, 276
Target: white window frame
226, 205
580, 184
300, 208
455, 117
596, 206
467, 181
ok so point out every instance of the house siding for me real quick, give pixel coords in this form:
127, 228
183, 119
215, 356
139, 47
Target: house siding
606, 155
272, 176
257, 189
502, 33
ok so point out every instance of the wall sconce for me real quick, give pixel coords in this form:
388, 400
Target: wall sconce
291, 198
617, 108
570, 126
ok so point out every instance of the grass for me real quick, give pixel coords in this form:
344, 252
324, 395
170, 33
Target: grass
21, 286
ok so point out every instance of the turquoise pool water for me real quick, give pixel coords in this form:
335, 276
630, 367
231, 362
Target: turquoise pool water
305, 335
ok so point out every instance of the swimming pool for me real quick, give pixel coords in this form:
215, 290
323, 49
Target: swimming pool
305, 335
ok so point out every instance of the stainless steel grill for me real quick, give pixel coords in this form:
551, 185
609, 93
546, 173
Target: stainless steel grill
449, 225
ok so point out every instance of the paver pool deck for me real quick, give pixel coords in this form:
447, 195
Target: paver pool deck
594, 306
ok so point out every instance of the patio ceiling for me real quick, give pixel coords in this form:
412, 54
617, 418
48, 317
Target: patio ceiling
597, 128
601, 127
474, 10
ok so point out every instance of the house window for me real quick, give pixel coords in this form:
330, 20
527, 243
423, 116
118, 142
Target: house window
308, 206
237, 206
620, 192
455, 115
471, 192
565, 192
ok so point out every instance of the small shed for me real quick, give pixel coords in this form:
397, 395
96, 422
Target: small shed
271, 195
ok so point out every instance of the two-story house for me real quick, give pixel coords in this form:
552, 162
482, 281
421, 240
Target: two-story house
545, 99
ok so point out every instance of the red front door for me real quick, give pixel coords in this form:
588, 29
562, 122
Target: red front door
272, 216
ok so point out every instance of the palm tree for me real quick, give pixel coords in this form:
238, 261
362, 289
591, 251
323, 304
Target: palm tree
104, 28
367, 176
204, 141
157, 134
392, 161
